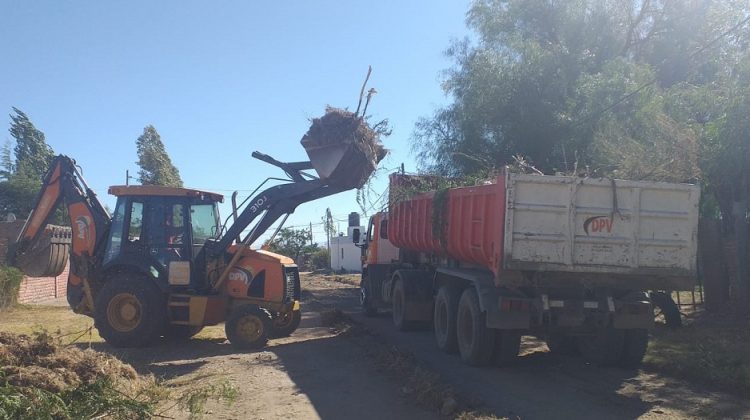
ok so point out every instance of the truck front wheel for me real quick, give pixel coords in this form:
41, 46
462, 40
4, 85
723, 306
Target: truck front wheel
444, 319
476, 342
366, 298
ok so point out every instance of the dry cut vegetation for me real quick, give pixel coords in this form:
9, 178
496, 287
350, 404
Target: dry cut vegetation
40, 378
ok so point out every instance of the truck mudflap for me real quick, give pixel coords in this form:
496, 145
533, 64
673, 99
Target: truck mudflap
573, 313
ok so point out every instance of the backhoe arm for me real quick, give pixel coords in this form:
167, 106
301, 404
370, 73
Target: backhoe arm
40, 248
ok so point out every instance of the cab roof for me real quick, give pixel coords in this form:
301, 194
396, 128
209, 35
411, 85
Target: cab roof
157, 190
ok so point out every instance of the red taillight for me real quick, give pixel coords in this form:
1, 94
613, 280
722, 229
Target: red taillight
514, 305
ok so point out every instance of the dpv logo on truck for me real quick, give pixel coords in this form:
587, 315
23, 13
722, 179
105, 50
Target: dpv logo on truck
598, 224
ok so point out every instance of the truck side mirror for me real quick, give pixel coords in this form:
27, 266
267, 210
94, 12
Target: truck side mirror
355, 235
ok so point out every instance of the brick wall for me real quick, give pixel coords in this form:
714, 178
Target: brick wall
40, 289
33, 289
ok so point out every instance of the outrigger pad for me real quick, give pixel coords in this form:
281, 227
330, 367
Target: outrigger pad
343, 148
49, 255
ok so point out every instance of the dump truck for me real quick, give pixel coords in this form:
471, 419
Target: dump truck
164, 264
566, 259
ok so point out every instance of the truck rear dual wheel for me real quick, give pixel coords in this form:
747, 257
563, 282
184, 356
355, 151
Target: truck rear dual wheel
507, 346
444, 319
399, 307
476, 342
614, 347
130, 311
248, 327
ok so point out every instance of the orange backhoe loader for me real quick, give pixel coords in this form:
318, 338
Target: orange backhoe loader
164, 265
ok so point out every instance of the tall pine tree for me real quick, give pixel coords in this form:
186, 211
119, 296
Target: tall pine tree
156, 166
33, 155
22, 179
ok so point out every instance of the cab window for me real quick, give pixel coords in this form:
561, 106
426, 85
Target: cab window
384, 229
204, 221
115, 241
135, 228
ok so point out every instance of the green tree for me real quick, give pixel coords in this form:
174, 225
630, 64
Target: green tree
643, 89
33, 155
156, 166
6, 161
542, 74
293, 243
22, 179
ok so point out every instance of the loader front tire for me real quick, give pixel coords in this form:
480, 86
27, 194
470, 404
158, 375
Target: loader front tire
248, 327
130, 311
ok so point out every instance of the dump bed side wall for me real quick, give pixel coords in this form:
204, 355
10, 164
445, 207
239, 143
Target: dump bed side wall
579, 225
472, 223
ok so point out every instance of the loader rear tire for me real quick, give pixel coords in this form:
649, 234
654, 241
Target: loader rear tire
476, 342
284, 324
130, 311
444, 319
248, 326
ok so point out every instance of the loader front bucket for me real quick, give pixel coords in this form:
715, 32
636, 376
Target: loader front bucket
47, 256
343, 149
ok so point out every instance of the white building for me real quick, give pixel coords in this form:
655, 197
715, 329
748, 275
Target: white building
344, 254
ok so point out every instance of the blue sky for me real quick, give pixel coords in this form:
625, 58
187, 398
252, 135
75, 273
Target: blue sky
219, 80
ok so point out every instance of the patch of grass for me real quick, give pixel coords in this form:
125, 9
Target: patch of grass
193, 398
717, 355
28, 319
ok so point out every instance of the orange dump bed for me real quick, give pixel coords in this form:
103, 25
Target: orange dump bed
469, 228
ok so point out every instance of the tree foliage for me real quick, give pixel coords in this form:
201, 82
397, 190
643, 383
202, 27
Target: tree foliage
639, 89
156, 166
33, 155
293, 243
23, 168
540, 73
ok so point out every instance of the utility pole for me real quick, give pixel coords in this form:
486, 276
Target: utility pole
311, 239
329, 227
127, 177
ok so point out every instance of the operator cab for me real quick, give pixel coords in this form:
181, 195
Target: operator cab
160, 230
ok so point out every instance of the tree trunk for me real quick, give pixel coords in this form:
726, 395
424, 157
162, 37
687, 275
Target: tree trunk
713, 271
740, 289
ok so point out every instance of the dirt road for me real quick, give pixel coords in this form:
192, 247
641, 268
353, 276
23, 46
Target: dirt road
319, 373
